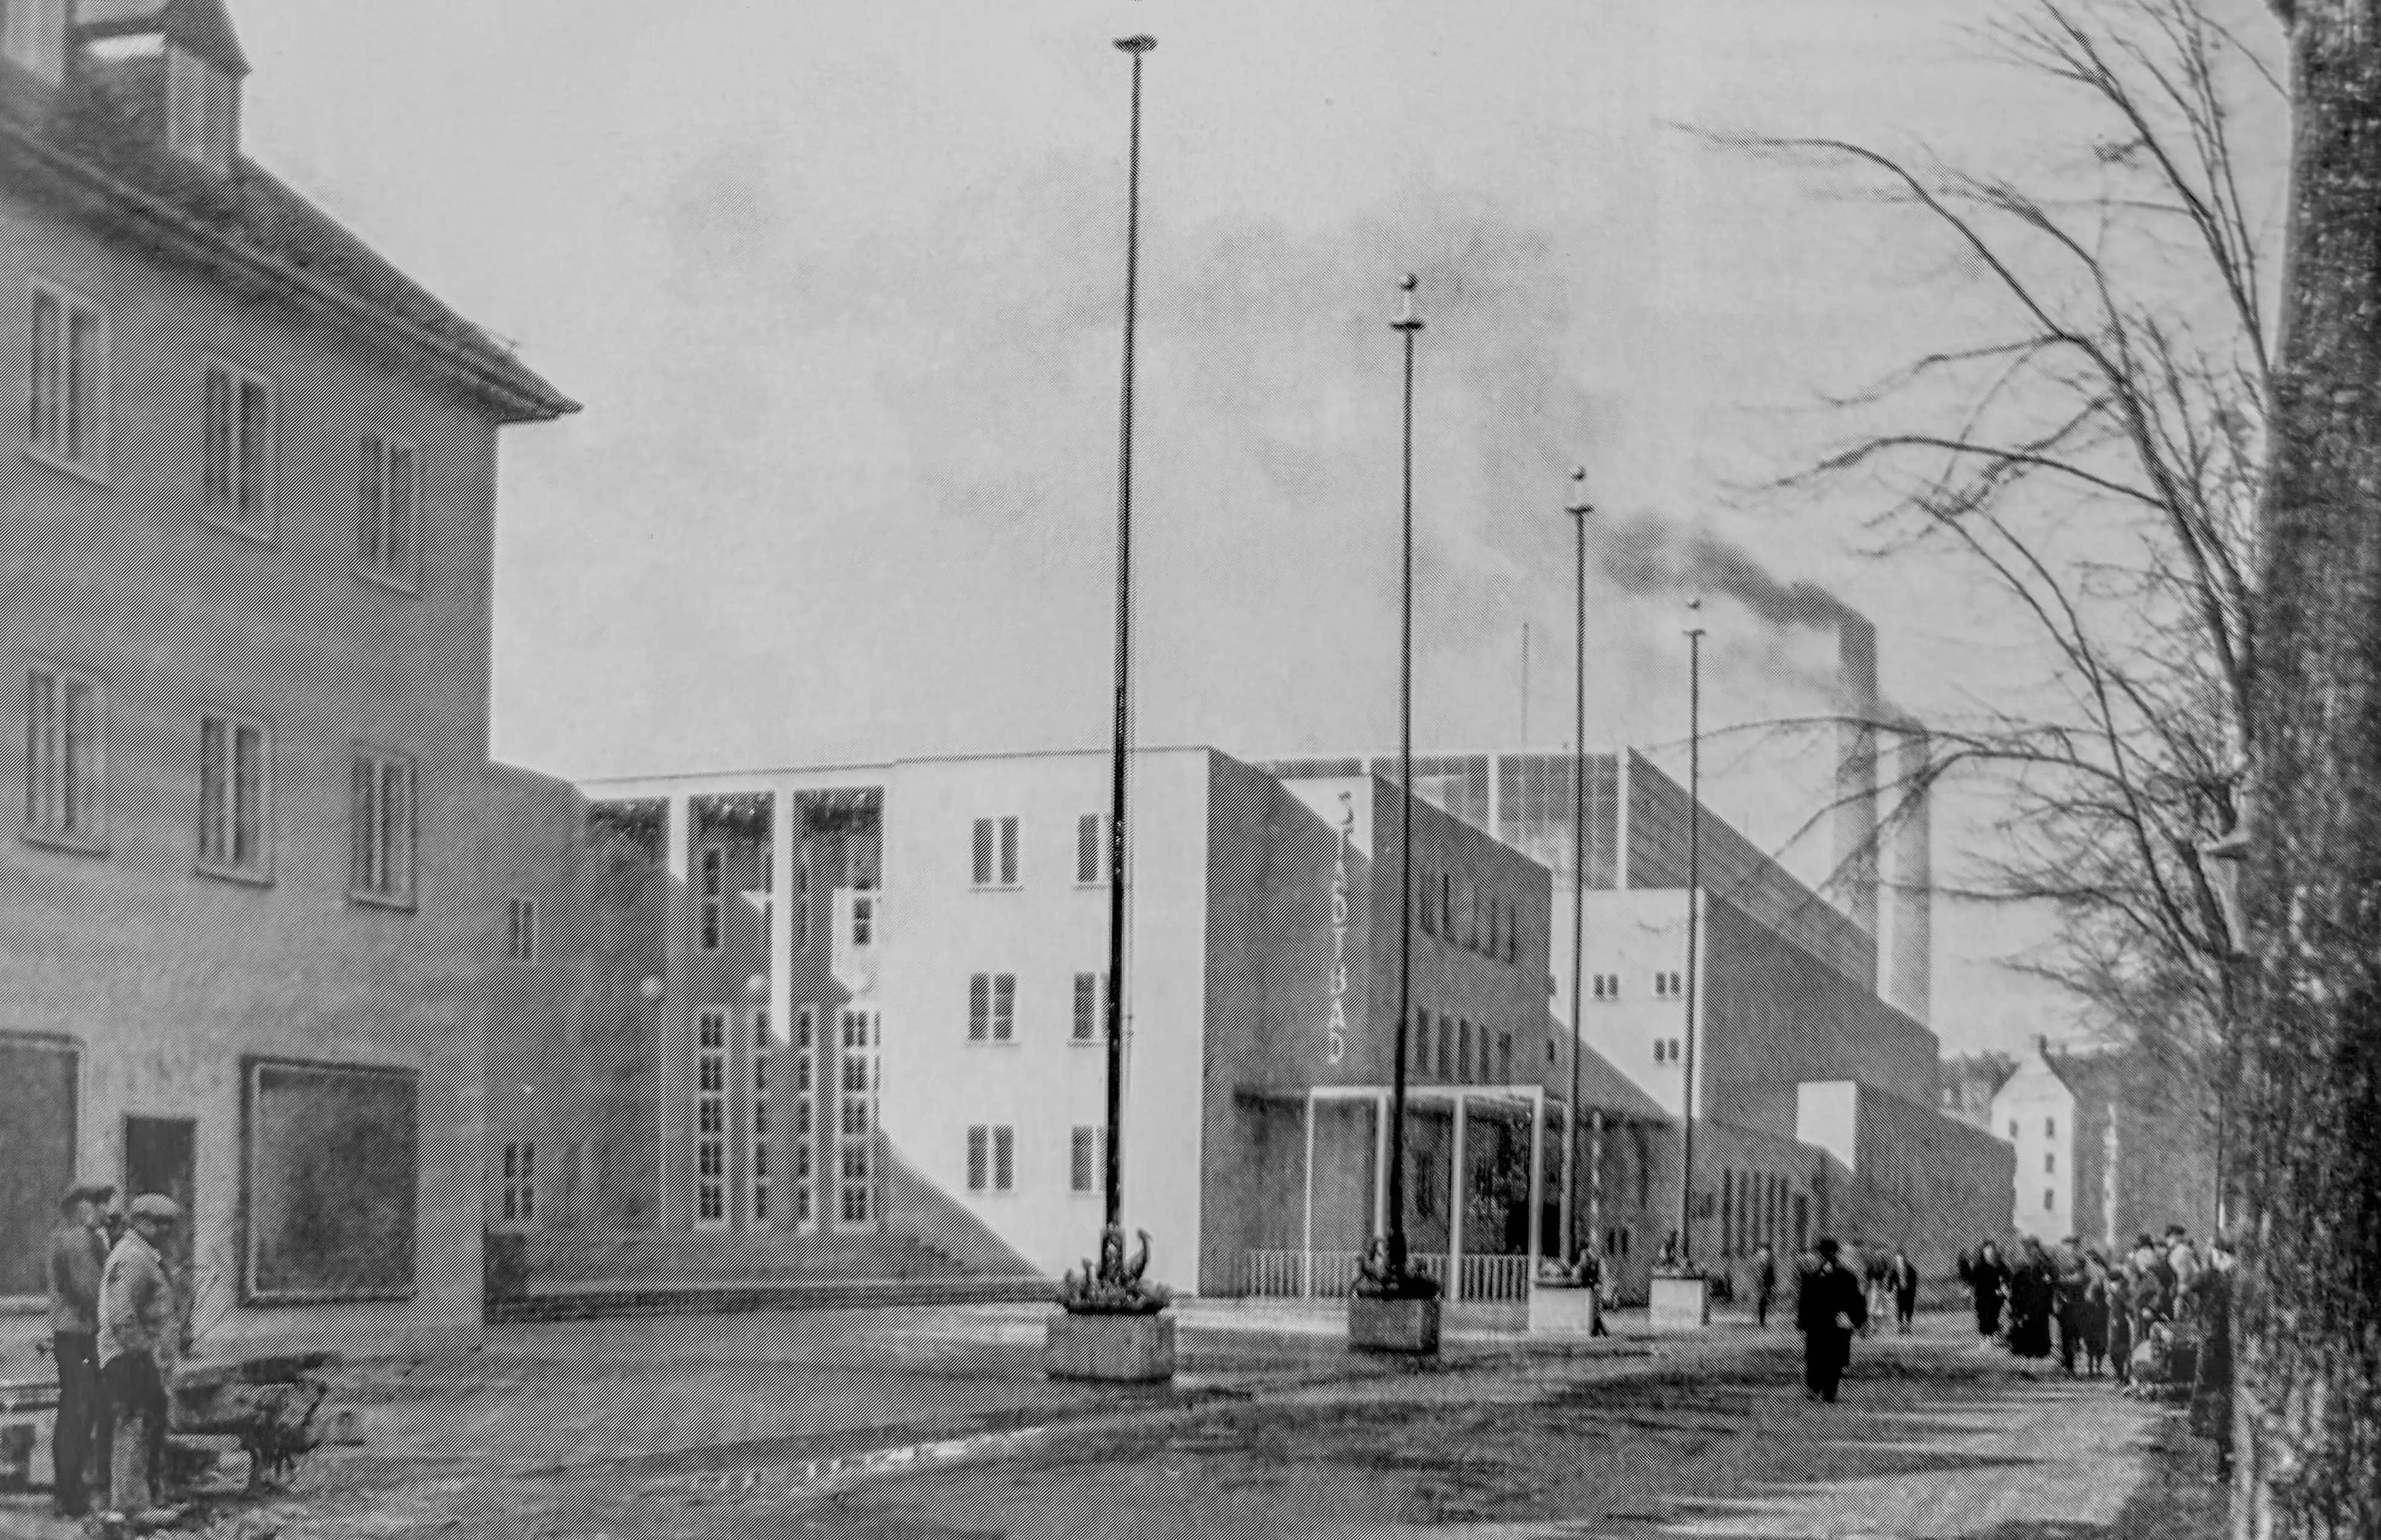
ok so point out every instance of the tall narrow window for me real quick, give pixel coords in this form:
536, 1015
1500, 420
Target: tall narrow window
1004, 1159
992, 1007
996, 852
1088, 843
381, 793
388, 517
68, 383
1505, 1059
711, 886
804, 1212
1427, 910
856, 1118
520, 930
62, 756
803, 901
1087, 1159
978, 1157
237, 461
1090, 1000
710, 1116
519, 1195
231, 796
1463, 1050
1421, 1042
763, 1186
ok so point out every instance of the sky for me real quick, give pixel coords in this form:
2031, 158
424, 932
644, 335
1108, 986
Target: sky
840, 288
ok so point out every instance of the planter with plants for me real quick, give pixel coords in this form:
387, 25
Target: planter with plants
1111, 1323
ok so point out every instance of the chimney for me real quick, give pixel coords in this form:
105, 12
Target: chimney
1855, 854
1909, 953
171, 70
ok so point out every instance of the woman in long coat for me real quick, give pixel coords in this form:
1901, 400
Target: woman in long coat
2031, 1287
2093, 1320
1986, 1277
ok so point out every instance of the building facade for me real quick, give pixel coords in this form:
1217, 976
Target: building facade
2107, 1144
264, 879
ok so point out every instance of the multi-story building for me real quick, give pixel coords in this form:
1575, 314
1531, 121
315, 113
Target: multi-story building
878, 993
2107, 1144
263, 881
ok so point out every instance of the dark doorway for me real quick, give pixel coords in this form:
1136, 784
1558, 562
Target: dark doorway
161, 1155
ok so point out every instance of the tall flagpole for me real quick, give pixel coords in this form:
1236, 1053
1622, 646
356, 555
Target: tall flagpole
1694, 922
1408, 325
1578, 508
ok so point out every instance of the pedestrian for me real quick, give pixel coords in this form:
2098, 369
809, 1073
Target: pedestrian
1764, 1282
2093, 1318
140, 1337
2120, 1325
1872, 1260
1986, 1279
2067, 1302
77, 1260
1902, 1279
2182, 1270
2032, 1286
2211, 1385
1828, 1307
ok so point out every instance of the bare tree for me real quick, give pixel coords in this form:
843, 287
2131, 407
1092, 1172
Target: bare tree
2093, 453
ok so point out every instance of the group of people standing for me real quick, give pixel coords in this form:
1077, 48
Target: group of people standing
116, 1330
2160, 1312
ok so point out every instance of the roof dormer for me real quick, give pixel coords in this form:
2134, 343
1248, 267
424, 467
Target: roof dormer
175, 67
33, 37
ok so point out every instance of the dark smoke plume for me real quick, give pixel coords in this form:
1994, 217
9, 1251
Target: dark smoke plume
1643, 553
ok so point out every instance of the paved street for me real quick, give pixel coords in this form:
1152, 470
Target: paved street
936, 1422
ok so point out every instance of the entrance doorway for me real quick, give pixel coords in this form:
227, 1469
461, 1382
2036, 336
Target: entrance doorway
161, 1155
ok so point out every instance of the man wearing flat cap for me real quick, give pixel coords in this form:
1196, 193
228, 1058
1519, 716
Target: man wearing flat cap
78, 1259
140, 1335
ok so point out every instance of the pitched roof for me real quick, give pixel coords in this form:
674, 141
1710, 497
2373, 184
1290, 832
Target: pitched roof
72, 146
202, 25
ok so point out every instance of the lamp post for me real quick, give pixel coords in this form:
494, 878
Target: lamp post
1409, 325
1694, 921
1578, 508
1112, 1176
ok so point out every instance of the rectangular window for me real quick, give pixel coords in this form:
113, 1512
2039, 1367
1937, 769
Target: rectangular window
1091, 1006
1505, 1059
978, 1157
1088, 843
2049, 1198
1088, 1160
802, 902
996, 852
2049, 1164
863, 920
69, 357
804, 1214
861, 1041
1445, 1049
520, 930
236, 458
518, 1199
39, 1078
1428, 911
992, 1007
1463, 1050
761, 1187
1421, 1042
232, 769
388, 516
330, 1165
710, 1116
711, 888
2012, 1128
2050, 1128
1447, 905
1004, 1159
1513, 933
381, 863
62, 756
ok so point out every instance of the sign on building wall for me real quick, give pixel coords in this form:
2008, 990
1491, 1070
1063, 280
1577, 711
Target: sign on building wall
1336, 1027
331, 1162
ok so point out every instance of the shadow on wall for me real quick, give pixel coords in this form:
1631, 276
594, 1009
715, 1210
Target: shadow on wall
916, 1207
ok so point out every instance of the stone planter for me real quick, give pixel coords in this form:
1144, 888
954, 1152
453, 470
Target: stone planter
1392, 1326
1679, 1304
1556, 1309
1132, 1350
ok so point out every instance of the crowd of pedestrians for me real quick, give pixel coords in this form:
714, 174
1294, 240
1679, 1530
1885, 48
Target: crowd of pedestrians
2157, 1319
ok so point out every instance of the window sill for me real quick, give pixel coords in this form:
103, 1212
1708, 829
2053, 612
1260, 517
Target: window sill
244, 875
409, 587
255, 534
92, 474
65, 844
381, 900
992, 1041
996, 887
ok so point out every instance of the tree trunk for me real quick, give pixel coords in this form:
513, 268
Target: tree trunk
2306, 1125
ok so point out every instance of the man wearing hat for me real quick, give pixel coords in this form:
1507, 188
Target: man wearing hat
139, 1334
77, 1258
1832, 1306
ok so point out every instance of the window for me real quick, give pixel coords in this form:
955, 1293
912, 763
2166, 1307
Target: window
1505, 1059
805, 1045
1463, 1050
1091, 1006
69, 353
62, 757
802, 902
1661, 1050
711, 886
1512, 934
2012, 1128
518, 1203
236, 458
978, 1157
862, 1039
992, 1159
2050, 1128
34, 35
330, 1165
1088, 1166
381, 867
232, 769
863, 920
992, 1007
201, 110
1429, 916
2049, 1164
996, 852
762, 1183
39, 1077
1004, 1159
1669, 985
2049, 1198
1089, 842
388, 510
1445, 1049
1421, 1042
710, 1116
1447, 905
1607, 987
520, 930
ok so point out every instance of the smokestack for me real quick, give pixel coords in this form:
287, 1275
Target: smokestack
1855, 863
1909, 971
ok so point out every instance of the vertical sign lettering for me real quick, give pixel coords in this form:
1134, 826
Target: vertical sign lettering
1336, 1032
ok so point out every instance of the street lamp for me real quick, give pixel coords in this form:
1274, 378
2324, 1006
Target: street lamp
1112, 1176
1578, 508
1694, 921
1408, 325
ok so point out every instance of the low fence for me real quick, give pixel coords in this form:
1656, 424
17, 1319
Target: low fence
1293, 1275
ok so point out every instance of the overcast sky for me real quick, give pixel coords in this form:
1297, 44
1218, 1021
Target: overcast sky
840, 288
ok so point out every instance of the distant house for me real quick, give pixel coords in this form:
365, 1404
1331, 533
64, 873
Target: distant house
262, 878
2107, 1144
